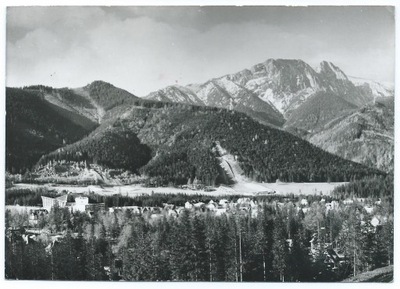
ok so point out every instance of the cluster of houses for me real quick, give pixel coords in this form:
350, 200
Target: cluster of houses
82, 204
217, 208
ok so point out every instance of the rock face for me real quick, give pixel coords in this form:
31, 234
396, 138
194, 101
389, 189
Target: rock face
283, 84
336, 81
308, 102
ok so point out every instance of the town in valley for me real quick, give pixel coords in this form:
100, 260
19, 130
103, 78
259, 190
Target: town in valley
234, 144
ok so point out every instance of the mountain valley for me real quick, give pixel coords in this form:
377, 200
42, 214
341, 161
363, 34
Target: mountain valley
170, 136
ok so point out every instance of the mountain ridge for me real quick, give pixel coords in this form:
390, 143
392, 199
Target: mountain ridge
310, 101
181, 140
284, 84
292, 93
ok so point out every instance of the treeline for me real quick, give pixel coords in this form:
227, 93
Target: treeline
28, 197
274, 245
32, 197
40, 88
377, 187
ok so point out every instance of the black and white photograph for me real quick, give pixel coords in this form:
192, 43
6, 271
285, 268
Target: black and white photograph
199, 143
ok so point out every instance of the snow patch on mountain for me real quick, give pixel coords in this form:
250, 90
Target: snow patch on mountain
176, 93
254, 83
282, 84
313, 82
205, 91
378, 89
229, 86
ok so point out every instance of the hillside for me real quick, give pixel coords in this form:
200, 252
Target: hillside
182, 139
365, 135
69, 102
223, 93
318, 110
92, 101
35, 127
41, 119
106, 95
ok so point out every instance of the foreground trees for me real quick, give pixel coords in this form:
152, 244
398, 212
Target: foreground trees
266, 241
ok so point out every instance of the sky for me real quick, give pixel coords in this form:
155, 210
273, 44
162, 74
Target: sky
143, 49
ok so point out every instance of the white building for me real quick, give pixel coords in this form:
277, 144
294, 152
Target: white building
223, 203
80, 204
49, 203
304, 202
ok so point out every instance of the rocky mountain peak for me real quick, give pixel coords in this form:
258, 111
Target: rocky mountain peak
281, 84
331, 71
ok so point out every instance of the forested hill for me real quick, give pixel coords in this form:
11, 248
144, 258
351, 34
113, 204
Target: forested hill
41, 119
35, 127
318, 110
107, 95
181, 139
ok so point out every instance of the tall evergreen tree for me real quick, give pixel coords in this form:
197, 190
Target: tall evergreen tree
280, 248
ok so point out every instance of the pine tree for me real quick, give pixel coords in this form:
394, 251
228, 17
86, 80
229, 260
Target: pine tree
350, 238
182, 255
160, 247
280, 249
224, 255
136, 254
200, 248
93, 267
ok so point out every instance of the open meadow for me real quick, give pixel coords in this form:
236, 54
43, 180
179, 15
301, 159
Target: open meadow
248, 189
